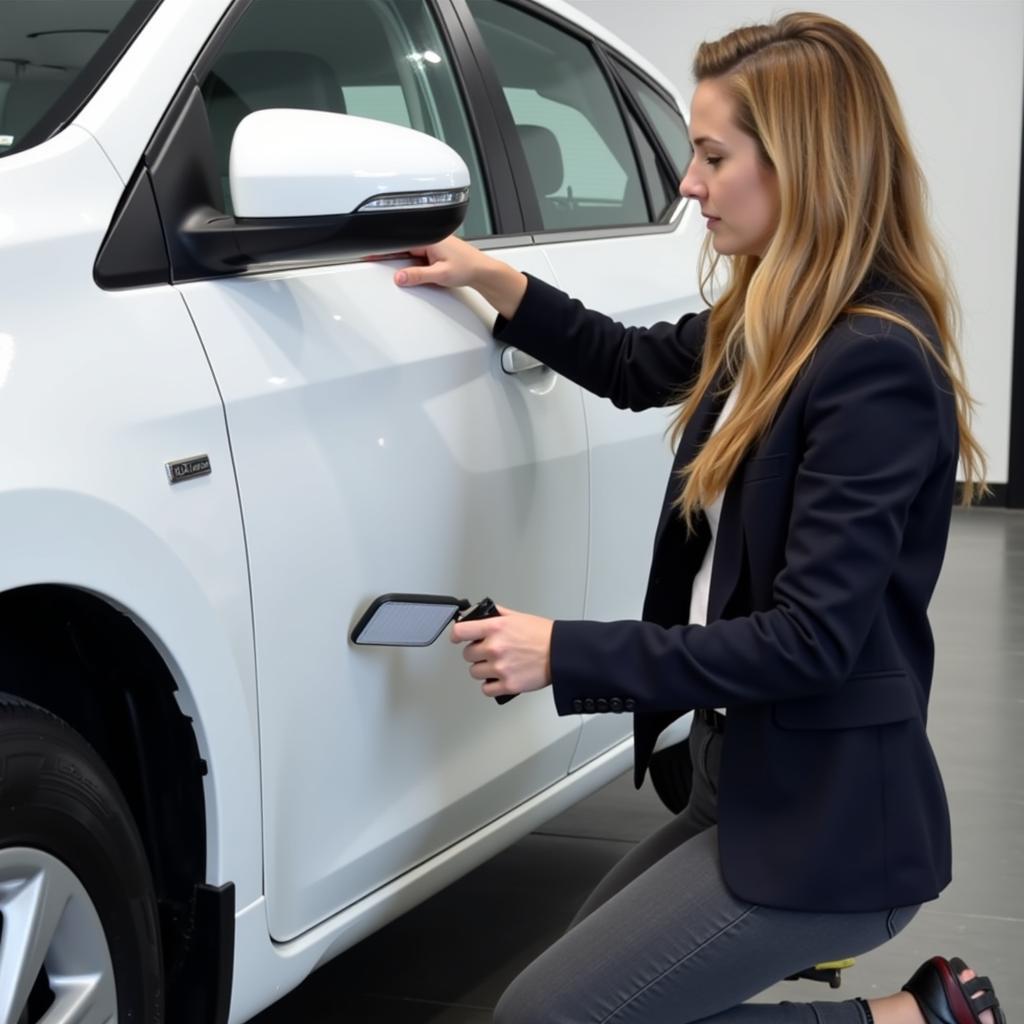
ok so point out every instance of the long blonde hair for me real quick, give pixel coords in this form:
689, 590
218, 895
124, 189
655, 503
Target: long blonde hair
820, 105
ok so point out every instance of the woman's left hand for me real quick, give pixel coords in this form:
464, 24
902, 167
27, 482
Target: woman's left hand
512, 648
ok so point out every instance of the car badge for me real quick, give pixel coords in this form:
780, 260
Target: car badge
186, 469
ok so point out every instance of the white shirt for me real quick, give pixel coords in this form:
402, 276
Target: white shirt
702, 581
701, 584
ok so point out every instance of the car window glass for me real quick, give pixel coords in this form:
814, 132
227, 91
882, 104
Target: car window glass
664, 118
381, 102
581, 162
382, 59
43, 48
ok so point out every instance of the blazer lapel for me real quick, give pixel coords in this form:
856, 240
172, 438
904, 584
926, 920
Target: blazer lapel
729, 552
679, 555
698, 430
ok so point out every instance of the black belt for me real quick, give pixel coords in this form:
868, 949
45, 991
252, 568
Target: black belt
713, 719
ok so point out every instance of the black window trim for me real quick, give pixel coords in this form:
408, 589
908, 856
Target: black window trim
198, 70
621, 105
556, 236
636, 108
653, 84
503, 117
492, 156
90, 78
632, 114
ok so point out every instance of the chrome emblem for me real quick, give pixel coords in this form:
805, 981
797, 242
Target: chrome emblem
186, 469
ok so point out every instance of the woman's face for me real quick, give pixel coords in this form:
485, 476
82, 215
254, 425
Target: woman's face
737, 191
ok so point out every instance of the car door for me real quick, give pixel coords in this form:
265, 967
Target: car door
604, 155
380, 447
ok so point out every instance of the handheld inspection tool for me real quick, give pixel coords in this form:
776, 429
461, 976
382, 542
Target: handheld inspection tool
417, 620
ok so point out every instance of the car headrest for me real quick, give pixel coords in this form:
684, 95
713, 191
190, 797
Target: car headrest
241, 83
544, 157
264, 79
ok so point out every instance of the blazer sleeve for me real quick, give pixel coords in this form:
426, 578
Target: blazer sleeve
872, 423
636, 367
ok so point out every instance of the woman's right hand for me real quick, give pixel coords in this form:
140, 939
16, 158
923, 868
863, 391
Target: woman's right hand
450, 263
453, 263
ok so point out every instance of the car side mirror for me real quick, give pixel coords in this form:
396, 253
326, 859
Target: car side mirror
309, 163
309, 186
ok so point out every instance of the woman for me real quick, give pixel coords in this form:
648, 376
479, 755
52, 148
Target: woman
823, 413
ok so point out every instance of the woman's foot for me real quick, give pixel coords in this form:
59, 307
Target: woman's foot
932, 997
986, 1016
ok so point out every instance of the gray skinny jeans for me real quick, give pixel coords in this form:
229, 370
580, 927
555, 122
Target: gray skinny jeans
662, 940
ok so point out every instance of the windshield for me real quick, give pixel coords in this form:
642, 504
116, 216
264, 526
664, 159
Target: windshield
47, 66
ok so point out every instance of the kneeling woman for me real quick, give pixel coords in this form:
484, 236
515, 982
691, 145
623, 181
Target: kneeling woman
822, 416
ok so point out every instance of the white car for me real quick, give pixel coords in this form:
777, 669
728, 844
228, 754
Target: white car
226, 431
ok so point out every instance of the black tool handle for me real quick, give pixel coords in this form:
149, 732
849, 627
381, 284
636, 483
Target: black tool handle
485, 609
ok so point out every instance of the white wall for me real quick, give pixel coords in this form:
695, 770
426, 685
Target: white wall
958, 67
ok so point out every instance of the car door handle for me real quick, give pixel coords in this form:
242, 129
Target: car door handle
514, 360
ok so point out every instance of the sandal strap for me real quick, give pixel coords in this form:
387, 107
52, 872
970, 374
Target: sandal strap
979, 984
979, 991
984, 1002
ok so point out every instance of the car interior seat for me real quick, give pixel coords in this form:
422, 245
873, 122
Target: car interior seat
544, 158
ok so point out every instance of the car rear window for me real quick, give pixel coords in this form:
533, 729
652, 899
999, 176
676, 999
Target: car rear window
666, 120
582, 166
48, 60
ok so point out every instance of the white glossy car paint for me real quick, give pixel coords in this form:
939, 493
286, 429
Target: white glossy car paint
98, 391
266, 972
311, 163
128, 105
378, 446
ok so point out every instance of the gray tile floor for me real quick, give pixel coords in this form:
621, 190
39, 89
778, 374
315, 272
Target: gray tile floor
447, 961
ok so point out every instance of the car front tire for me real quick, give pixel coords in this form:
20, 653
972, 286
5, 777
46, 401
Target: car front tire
79, 927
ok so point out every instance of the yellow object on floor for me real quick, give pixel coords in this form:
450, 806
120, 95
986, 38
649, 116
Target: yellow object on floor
828, 970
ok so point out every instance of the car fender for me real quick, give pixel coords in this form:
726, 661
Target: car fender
116, 557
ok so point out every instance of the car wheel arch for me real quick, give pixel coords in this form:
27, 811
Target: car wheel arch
80, 658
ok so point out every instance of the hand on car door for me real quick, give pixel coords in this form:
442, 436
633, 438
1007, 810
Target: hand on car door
452, 263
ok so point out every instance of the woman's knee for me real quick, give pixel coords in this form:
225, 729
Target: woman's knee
509, 1010
527, 1001
513, 1008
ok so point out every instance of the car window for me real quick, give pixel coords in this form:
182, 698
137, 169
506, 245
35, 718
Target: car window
43, 50
382, 59
582, 166
664, 118
662, 194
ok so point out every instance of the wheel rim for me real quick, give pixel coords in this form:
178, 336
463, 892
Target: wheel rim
50, 924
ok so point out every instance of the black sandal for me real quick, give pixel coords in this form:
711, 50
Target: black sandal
944, 999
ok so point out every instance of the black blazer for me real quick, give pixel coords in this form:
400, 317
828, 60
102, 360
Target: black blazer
830, 542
